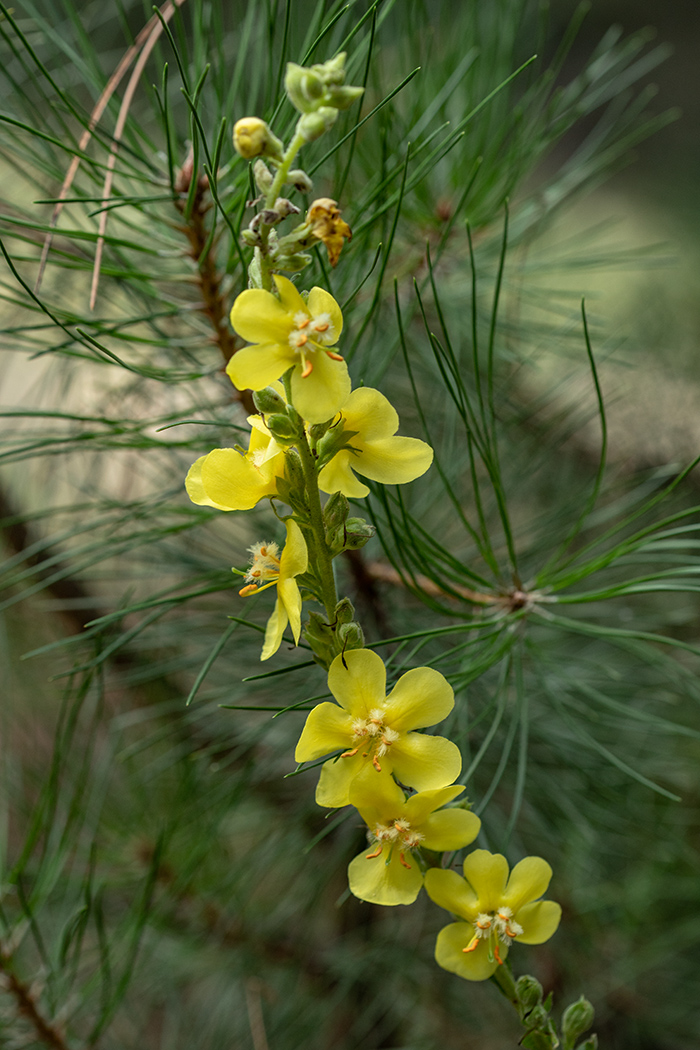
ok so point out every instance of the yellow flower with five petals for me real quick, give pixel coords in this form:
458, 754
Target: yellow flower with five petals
390, 873
495, 911
231, 480
270, 568
376, 452
288, 332
375, 731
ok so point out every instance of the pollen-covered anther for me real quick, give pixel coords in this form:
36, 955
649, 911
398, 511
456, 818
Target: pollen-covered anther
335, 357
403, 861
250, 588
298, 339
308, 369
387, 738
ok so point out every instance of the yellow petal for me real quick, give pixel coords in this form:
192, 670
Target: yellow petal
370, 413
195, 488
487, 874
337, 775
289, 597
539, 921
232, 481
358, 681
323, 393
528, 880
376, 881
290, 299
328, 728
259, 317
450, 829
295, 558
274, 631
472, 966
258, 366
394, 460
424, 762
378, 799
420, 806
322, 302
421, 697
450, 891
337, 476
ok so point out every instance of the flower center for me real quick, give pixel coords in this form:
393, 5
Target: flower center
310, 334
396, 833
264, 569
494, 927
376, 733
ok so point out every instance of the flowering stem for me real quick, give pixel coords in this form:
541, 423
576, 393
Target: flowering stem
270, 198
324, 562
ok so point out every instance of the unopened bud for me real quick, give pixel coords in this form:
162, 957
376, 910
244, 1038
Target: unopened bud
300, 180
528, 991
253, 138
344, 611
282, 427
294, 471
268, 400
590, 1044
357, 533
251, 238
317, 430
351, 635
262, 175
284, 207
577, 1019
291, 263
343, 97
313, 125
335, 512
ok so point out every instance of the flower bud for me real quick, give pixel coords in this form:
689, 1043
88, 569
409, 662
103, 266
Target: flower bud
357, 533
268, 400
296, 84
290, 263
318, 430
262, 175
344, 611
253, 138
300, 180
335, 512
251, 238
284, 207
313, 125
294, 471
577, 1019
282, 428
343, 97
528, 991
351, 635
590, 1044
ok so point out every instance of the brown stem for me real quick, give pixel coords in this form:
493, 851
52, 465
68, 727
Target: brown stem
27, 1008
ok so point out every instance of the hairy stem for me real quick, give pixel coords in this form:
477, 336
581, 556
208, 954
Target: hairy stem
324, 562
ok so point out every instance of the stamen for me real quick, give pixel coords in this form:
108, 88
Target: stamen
496, 954
473, 945
376, 853
334, 357
349, 754
375, 763
308, 369
251, 588
401, 858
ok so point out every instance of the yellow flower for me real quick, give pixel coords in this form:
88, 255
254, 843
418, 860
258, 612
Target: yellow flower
376, 452
288, 332
497, 911
375, 730
231, 480
389, 874
270, 568
324, 218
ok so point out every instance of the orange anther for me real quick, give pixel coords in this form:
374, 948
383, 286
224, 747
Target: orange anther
349, 754
497, 955
404, 862
472, 945
308, 369
322, 327
302, 340
375, 763
251, 588
375, 854
263, 551
334, 357
304, 323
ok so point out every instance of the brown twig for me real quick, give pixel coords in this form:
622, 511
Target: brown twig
27, 1007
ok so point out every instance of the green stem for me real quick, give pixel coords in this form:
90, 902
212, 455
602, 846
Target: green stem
324, 562
270, 198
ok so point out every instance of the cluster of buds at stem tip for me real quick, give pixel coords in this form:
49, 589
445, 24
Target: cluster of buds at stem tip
315, 89
342, 532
